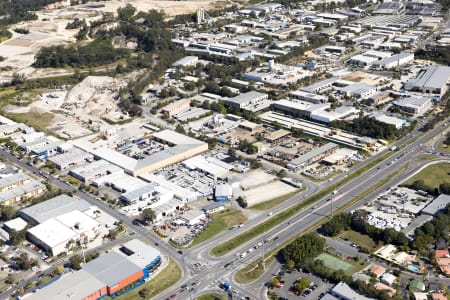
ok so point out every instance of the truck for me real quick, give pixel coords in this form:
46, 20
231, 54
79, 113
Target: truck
393, 148
226, 286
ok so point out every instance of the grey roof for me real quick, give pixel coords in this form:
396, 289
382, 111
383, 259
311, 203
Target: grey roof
135, 194
329, 297
433, 77
141, 254
311, 88
437, 205
184, 60
394, 58
356, 88
13, 179
111, 268
212, 206
343, 291
246, 97
305, 157
412, 101
53, 207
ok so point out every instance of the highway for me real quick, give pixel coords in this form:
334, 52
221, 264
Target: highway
211, 276
213, 271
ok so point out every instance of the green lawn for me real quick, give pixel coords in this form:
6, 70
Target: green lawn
39, 121
215, 296
443, 147
221, 221
166, 278
432, 175
274, 202
334, 262
360, 239
253, 270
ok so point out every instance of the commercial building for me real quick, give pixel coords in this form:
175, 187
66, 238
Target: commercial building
297, 108
18, 187
432, 80
112, 274
315, 155
396, 60
320, 86
213, 208
60, 234
358, 90
379, 98
223, 192
437, 205
95, 170
308, 97
52, 208
360, 60
151, 192
186, 61
398, 123
208, 166
71, 158
325, 115
176, 107
414, 105
251, 101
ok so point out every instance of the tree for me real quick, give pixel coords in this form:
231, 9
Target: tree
148, 215
58, 270
144, 293
75, 262
16, 237
7, 213
126, 13
302, 284
275, 281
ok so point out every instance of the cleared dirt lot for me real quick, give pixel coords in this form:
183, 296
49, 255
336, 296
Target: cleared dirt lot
171, 8
267, 192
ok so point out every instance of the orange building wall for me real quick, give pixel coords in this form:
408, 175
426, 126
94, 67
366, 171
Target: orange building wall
97, 294
125, 282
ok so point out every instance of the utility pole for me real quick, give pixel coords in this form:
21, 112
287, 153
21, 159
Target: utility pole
263, 256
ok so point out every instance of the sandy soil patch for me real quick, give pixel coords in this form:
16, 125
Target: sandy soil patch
367, 78
256, 178
267, 192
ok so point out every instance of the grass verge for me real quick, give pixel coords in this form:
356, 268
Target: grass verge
360, 239
432, 176
214, 296
275, 201
254, 270
221, 221
166, 278
231, 244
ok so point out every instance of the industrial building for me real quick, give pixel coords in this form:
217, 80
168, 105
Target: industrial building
437, 205
177, 147
223, 192
176, 107
308, 97
209, 166
112, 274
95, 170
414, 105
314, 155
298, 108
71, 158
320, 86
396, 60
357, 90
151, 192
398, 123
325, 115
18, 187
52, 208
432, 80
344, 292
360, 60
252, 101
60, 234
186, 61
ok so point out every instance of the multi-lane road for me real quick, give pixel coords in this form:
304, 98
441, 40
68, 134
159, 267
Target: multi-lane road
213, 271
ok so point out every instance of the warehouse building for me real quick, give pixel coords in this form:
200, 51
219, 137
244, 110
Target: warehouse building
360, 60
398, 123
176, 107
186, 61
60, 234
314, 155
358, 90
223, 192
414, 105
151, 192
394, 61
308, 97
326, 115
71, 158
17, 187
208, 166
111, 274
432, 80
298, 108
52, 208
89, 173
252, 101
